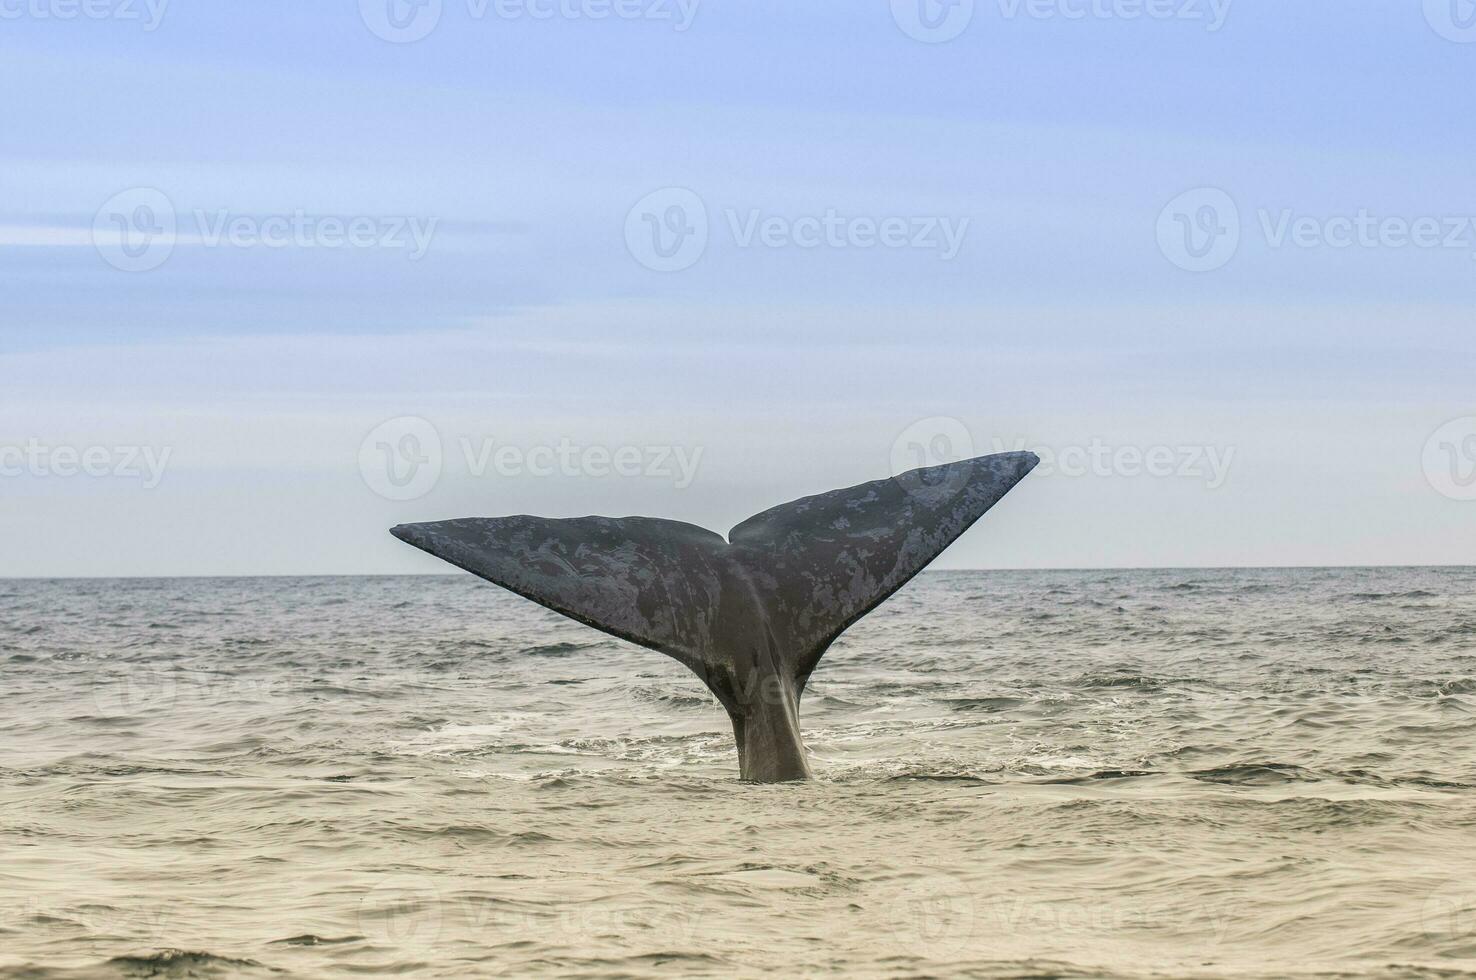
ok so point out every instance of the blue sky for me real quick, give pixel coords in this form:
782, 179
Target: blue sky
1069, 145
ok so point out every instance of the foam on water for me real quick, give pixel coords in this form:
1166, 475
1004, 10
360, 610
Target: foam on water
1238, 773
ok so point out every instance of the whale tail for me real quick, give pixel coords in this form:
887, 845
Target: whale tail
753, 614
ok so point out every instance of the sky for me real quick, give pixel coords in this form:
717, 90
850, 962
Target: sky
277, 276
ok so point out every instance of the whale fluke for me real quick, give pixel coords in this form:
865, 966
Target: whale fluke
752, 615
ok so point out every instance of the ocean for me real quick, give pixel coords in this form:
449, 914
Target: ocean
1217, 773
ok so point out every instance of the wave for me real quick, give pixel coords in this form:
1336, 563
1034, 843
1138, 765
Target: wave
308, 939
990, 704
554, 649
672, 699
180, 963
1141, 682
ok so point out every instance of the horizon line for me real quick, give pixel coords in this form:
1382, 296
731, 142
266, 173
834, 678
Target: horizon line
928, 571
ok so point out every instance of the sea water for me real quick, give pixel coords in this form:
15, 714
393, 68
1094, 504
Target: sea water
1057, 773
